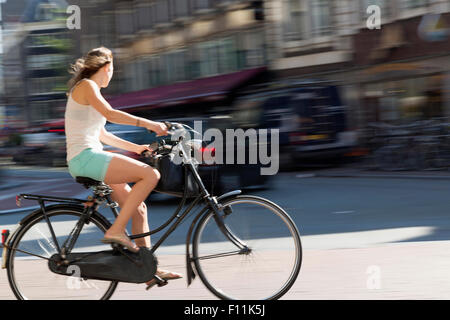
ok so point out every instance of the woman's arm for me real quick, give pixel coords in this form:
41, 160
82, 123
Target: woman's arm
96, 100
113, 140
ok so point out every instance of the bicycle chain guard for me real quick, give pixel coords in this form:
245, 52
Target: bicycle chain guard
112, 265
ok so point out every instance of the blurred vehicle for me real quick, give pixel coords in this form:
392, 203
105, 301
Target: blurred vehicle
223, 177
130, 133
310, 116
35, 149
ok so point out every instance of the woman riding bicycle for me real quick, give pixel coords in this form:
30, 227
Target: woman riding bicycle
86, 114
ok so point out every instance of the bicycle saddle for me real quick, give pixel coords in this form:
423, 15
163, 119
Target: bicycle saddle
88, 182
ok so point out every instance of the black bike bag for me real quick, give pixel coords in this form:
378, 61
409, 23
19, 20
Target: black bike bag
111, 265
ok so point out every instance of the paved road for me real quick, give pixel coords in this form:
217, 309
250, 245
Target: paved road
363, 238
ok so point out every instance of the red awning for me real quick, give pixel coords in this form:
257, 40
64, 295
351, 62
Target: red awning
204, 89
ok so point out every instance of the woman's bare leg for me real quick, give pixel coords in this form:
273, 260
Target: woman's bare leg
121, 194
139, 220
123, 169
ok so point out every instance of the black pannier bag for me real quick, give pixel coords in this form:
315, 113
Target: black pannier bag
110, 265
175, 178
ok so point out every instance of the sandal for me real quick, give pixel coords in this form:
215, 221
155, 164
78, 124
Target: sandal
163, 275
121, 240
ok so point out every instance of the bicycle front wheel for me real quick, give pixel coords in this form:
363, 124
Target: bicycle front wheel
269, 265
28, 271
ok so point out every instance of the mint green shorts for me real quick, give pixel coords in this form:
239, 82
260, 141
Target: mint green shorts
90, 163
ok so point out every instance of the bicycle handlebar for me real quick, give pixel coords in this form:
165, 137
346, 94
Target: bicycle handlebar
171, 127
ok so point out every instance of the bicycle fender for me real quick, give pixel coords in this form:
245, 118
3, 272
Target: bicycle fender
6, 245
229, 194
189, 263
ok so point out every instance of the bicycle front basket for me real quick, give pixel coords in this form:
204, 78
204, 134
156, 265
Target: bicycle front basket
173, 176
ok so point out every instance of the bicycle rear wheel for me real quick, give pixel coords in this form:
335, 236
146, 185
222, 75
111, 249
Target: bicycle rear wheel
28, 272
271, 265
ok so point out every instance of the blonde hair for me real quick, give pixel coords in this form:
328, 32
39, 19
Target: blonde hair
88, 65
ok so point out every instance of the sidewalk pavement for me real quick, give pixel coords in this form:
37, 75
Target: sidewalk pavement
393, 271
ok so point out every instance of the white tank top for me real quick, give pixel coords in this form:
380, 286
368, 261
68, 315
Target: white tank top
82, 125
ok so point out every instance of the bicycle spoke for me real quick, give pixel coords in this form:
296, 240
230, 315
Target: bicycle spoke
32, 254
29, 273
219, 255
266, 271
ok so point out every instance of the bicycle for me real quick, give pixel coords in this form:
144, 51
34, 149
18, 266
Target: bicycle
227, 244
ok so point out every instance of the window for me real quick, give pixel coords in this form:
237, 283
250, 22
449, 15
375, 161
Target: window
297, 24
321, 17
145, 70
144, 16
209, 58
40, 110
45, 12
125, 23
131, 76
254, 51
44, 110
178, 65
45, 39
46, 85
106, 24
227, 55
155, 71
194, 62
307, 19
201, 4
45, 61
180, 8
162, 11
170, 67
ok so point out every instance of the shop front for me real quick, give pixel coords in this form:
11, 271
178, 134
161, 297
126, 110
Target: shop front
402, 74
401, 93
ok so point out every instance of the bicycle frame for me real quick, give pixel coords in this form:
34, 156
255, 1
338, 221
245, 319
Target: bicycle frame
211, 203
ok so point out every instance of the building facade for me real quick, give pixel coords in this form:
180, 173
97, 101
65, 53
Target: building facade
403, 64
165, 41
37, 47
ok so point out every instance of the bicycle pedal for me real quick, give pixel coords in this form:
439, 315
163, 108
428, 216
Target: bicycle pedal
160, 282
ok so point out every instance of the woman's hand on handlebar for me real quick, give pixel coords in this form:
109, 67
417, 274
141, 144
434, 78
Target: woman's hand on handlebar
159, 128
140, 149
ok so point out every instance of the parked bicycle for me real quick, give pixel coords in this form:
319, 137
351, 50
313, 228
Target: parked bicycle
422, 145
240, 246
